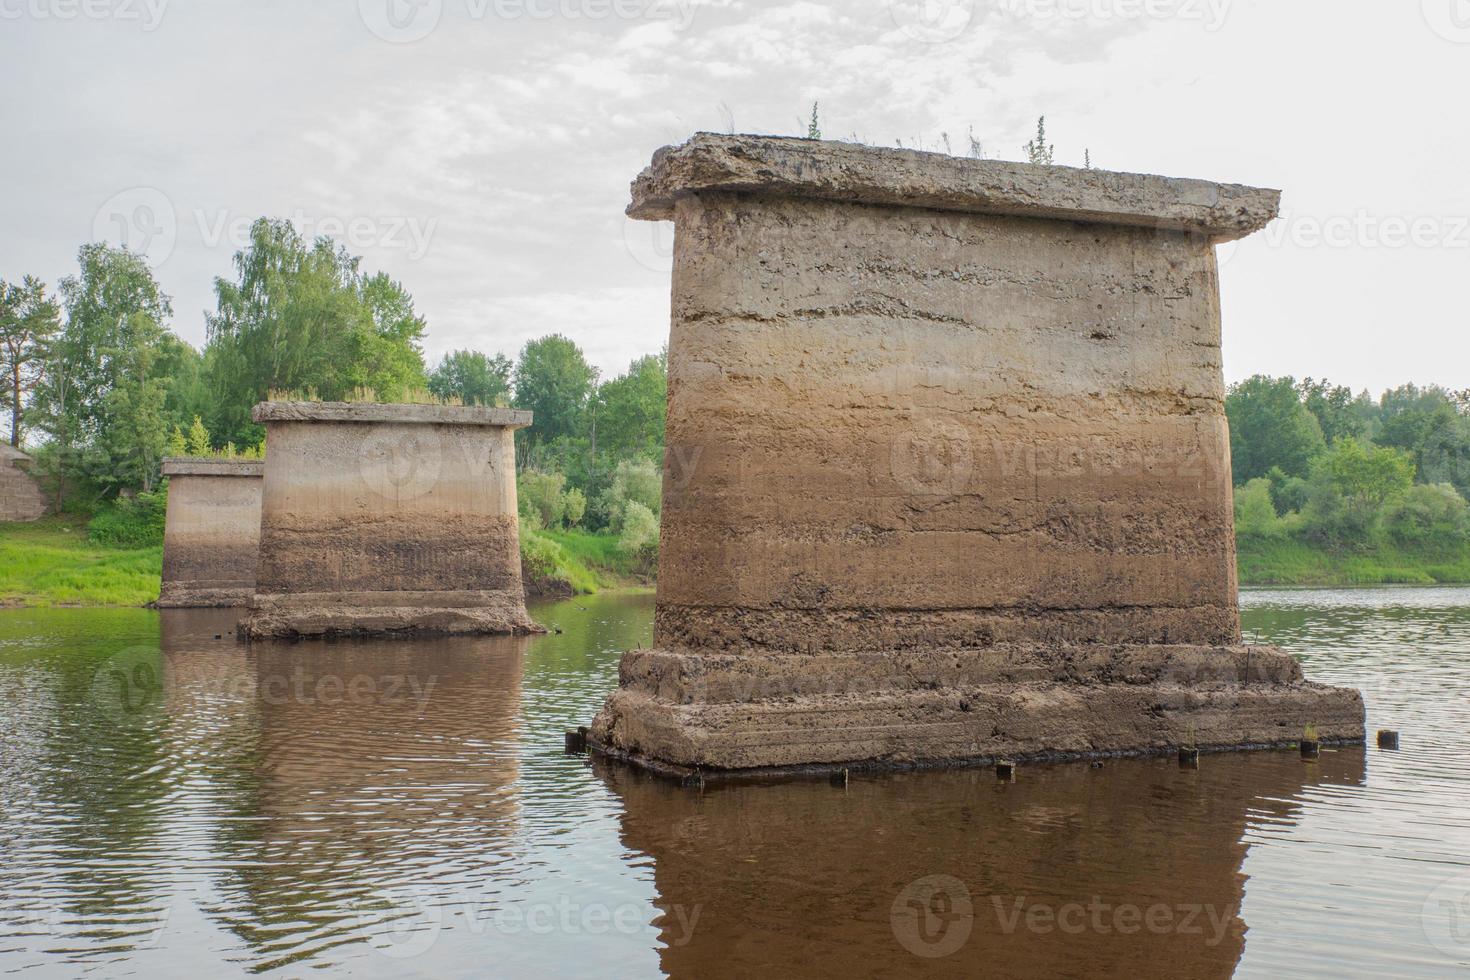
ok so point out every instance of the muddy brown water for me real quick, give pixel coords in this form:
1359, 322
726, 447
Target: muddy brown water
179, 805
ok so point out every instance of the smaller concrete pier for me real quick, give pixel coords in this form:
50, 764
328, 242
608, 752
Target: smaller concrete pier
211, 535
388, 519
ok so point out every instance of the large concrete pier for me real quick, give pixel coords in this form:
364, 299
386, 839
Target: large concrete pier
211, 533
388, 519
947, 472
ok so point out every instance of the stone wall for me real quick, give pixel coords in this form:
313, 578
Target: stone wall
20, 496
212, 532
388, 518
937, 425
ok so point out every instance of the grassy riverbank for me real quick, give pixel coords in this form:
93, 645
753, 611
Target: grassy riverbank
574, 561
51, 563
1289, 561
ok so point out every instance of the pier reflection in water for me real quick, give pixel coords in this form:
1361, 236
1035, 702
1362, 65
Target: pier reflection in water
177, 803
1134, 869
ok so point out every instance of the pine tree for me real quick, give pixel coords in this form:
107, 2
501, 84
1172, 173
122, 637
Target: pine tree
814, 128
199, 444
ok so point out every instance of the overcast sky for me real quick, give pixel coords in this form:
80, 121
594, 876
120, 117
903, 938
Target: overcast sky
480, 150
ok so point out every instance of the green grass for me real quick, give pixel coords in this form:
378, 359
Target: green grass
588, 562
50, 562
1288, 561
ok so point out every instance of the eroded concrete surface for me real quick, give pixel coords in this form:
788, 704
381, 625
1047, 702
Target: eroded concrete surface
211, 534
991, 425
388, 519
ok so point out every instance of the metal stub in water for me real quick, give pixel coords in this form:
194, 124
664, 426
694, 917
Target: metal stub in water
839, 778
1189, 758
1005, 771
1311, 749
1388, 739
695, 780
576, 742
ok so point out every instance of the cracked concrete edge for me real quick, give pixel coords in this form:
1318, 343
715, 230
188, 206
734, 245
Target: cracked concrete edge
853, 173
286, 411
197, 466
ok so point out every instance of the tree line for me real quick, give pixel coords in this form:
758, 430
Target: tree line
100, 389
1316, 461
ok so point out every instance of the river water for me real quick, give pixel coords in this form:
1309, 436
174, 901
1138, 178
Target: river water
177, 804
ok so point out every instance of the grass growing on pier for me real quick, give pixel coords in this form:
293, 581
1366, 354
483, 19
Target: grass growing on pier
51, 562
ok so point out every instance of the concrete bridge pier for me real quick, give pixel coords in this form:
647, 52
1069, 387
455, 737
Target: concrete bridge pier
948, 471
211, 533
384, 519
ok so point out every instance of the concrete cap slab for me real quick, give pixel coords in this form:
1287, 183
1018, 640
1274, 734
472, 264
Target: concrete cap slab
206, 466
784, 166
510, 418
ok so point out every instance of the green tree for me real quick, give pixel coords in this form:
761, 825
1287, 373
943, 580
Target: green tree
472, 377
639, 534
814, 127
301, 317
1430, 424
540, 497
630, 409
1429, 512
101, 397
28, 322
1269, 426
199, 443
574, 506
135, 434
1339, 413
1351, 485
554, 381
1255, 511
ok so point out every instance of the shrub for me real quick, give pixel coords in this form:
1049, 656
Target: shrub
634, 481
1351, 486
540, 494
130, 522
639, 536
1429, 512
574, 506
1255, 513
